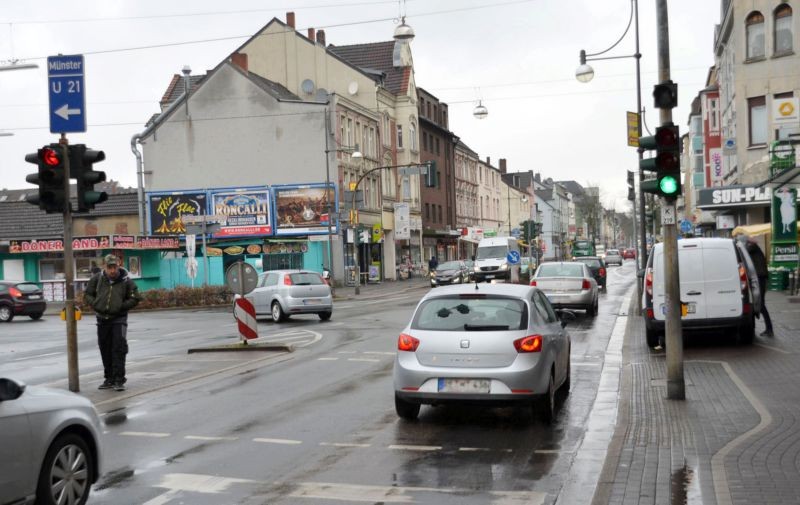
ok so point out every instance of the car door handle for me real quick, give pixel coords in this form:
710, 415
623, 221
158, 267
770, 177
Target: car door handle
694, 293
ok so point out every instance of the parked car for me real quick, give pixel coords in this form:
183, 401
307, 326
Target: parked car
613, 256
629, 254
598, 268
568, 284
718, 283
284, 293
20, 298
488, 344
450, 272
470, 269
50, 445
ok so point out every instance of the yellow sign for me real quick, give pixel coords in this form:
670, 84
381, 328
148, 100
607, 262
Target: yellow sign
352, 186
377, 234
684, 309
78, 315
786, 109
633, 129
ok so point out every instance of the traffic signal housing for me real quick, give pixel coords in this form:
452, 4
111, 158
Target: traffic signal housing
81, 167
631, 187
666, 163
51, 196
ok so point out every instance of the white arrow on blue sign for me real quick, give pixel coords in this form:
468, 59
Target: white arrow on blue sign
686, 226
513, 257
66, 92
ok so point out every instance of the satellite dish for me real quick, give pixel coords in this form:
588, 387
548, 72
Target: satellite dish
352, 88
322, 95
307, 86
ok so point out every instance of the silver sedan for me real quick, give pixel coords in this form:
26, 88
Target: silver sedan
568, 284
491, 344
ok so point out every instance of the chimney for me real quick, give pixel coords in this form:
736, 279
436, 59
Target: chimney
502, 165
290, 19
537, 177
240, 60
311, 34
488, 161
321, 37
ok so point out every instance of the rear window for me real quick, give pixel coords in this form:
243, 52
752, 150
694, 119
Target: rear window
453, 313
561, 270
591, 263
306, 279
613, 251
27, 288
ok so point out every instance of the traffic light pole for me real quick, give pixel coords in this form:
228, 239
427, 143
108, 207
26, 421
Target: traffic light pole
676, 389
641, 263
69, 278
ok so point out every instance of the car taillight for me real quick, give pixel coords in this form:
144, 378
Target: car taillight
648, 282
15, 293
586, 284
531, 343
602, 272
287, 280
742, 278
533, 282
407, 343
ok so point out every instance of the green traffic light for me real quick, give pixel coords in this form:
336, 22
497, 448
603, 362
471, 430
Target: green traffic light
668, 185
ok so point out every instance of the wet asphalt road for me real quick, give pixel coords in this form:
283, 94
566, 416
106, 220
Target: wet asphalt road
318, 426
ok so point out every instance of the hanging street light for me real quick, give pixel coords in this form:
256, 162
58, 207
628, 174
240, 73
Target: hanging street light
403, 32
480, 111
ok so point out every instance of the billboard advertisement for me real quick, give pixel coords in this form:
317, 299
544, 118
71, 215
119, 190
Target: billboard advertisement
243, 213
166, 209
715, 175
303, 210
402, 224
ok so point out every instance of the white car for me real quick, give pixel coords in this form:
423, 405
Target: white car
283, 293
49, 445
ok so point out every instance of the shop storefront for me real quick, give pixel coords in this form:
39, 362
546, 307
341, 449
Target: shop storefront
733, 206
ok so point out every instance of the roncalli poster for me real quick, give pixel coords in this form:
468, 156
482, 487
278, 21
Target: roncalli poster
246, 213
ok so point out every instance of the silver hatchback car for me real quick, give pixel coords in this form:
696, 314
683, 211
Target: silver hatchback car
486, 343
49, 445
282, 293
568, 284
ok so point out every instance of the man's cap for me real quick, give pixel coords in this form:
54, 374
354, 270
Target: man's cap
110, 259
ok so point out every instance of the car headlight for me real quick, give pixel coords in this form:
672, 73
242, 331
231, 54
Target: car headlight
433, 273
504, 266
476, 269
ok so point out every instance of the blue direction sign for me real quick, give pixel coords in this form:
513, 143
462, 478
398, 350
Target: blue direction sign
686, 226
513, 257
66, 92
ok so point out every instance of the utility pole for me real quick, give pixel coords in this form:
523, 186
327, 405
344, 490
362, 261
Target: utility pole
69, 279
676, 389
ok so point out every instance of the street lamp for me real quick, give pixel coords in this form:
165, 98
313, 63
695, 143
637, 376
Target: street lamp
585, 73
16, 65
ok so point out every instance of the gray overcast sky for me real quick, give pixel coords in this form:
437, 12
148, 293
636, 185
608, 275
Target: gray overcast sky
518, 57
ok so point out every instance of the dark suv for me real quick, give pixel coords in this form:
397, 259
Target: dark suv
20, 298
597, 266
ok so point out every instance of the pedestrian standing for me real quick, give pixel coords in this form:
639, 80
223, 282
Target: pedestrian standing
112, 293
760, 263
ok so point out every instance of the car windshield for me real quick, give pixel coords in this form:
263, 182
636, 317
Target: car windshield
449, 265
468, 313
495, 251
306, 279
560, 270
593, 263
27, 288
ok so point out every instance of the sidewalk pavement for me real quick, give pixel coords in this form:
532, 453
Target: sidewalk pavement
736, 437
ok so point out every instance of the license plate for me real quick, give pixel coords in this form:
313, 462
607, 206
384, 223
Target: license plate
311, 301
490, 276
691, 308
464, 385
34, 297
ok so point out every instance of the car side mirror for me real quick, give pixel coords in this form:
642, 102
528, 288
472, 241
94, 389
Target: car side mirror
10, 390
566, 316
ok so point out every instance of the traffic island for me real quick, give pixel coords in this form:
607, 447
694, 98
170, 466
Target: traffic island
244, 347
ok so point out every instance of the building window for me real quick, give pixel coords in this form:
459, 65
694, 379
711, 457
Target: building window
444, 118
757, 118
399, 136
387, 138
783, 29
755, 35
440, 214
713, 115
349, 140
427, 212
437, 145
424, 141
412, 136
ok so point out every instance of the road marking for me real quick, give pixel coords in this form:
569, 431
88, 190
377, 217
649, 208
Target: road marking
179, 332
281, 441
206, 484
210, 439
380, 353
40, 356
415, 447
553, 451
368, 360
586, 364
347, 352
327, 359
394, 494
343, 444
474, 449
771, 348
145, 434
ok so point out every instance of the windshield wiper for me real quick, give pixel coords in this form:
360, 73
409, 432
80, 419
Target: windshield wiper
485, 327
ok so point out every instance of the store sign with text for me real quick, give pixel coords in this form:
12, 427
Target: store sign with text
246, 212
57, 245
135, 242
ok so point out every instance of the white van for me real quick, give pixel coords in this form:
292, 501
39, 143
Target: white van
491, 259
717, 282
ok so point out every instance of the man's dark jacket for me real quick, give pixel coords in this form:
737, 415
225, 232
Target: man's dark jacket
111, 298
759, 261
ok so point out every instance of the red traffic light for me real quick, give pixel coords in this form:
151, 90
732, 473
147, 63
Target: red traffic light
50, 157
666, 137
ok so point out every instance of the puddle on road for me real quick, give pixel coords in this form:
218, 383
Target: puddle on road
684, 487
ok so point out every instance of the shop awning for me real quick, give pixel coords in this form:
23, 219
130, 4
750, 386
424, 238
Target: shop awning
753, 230
466, 238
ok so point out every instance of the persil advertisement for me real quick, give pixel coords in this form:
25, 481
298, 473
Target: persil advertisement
303, 210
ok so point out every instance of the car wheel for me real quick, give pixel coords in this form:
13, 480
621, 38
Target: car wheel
565, 387
747, 332
591, 310
651, 336
36, 316
546, 406
406, 410
277, 312
66, 475
6, 314
325, 315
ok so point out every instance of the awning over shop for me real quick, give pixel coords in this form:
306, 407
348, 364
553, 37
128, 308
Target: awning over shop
466, 238
754, 230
